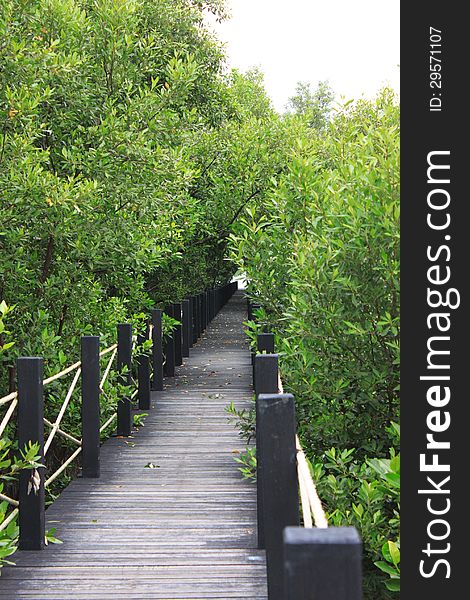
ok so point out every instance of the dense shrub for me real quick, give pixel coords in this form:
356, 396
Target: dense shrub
321, 255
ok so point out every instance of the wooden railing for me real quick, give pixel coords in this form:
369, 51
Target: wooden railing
193, 314
303, 563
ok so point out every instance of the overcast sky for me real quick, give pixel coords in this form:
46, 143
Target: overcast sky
353, 44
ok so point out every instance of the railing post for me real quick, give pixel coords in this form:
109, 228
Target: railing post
124, 359
191, 321
194, 321
157, 350
322, 564
212, 305
204, 310
266, 377
169, 350
186, 316
31, 429
265, 342
199, 315
178, 335
277, 457
143, 372
90, 358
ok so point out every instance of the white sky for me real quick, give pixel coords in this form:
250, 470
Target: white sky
355, 44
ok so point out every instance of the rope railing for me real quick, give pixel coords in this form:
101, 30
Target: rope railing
62, 410
54, 426
62, 467
108, 368
108, 422
9, 500
299, 558
61, 374
8, 415
310, 501
13, 395
195, 313
9, 519
8, 398
62, 433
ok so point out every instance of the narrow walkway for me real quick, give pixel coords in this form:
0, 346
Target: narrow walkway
184, 529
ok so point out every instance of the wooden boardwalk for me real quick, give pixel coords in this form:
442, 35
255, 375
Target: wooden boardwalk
185, 529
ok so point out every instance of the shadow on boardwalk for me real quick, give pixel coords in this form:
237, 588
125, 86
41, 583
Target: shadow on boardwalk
184, 529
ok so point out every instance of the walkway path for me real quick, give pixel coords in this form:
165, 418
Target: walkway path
184, 529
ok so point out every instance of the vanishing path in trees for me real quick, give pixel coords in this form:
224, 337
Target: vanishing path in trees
183, 529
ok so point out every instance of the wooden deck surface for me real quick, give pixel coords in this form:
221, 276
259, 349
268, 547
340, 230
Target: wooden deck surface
185, 529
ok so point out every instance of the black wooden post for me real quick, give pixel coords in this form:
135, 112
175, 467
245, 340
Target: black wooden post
143, 373
31, 429
322, 564
265, 342
169, 350
186, 315
178, 335
194, 321
203, 323
267, 379
211, 304
157, 350
267, 373
124, 359
191, 321
198, 316
90, 357
277, 457
204, 310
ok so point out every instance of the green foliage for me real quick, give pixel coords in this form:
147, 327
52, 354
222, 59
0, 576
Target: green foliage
248, 461
313, 106
364, 494
138, 419
243, 420
321, 255
391, 564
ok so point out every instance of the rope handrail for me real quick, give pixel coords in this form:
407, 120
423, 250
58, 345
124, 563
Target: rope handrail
87, 370
8, 414
55, 427
62, 433
64, 465
108, 422
309, 499
108, 368
13, 395
9, 500
63, 408
108, 350
8, 398
76, 365
9, 519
